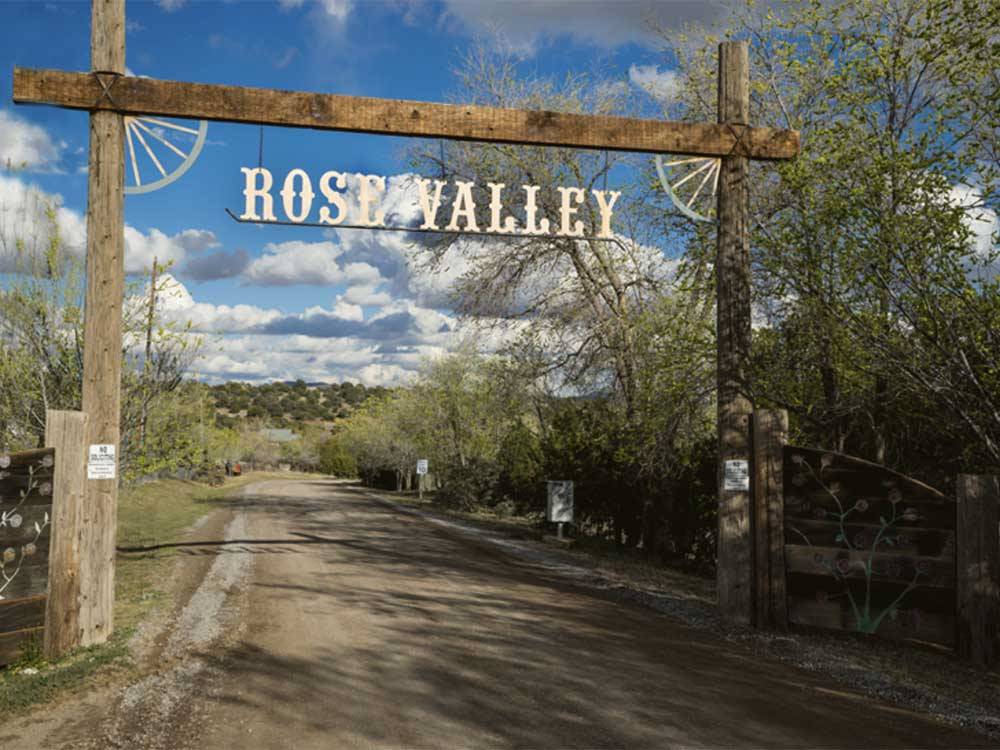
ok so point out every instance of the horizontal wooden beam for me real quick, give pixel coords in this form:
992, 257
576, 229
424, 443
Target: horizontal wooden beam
198, 101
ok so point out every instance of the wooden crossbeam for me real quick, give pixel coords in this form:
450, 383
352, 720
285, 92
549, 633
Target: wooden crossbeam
147, 96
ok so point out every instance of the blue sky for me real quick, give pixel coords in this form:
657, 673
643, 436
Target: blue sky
295, 302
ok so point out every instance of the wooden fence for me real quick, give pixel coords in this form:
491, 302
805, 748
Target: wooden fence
49, 578
867, 549
26, 488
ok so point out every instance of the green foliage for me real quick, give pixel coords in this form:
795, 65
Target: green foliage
292, 403
882, 303
336, 459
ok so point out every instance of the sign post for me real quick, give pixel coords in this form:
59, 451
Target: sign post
421, 471
735, 573
559, 509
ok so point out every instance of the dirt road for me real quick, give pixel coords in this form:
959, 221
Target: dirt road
328, 619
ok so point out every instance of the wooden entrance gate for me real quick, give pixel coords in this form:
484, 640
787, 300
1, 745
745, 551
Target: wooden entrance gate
110, 96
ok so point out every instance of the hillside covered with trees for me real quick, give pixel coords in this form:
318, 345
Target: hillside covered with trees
282, 404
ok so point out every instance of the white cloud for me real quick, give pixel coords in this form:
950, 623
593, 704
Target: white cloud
981, 220
28, 218
25, 144
344, 309
661, 85
176, 303
297, 262
171, 5
337, 10
140, 249
366, 294
24, 219
317, 344
330, 14
524, 25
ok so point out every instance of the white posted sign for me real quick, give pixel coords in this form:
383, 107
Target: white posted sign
560, 505
422, 466
737, 477
101, 462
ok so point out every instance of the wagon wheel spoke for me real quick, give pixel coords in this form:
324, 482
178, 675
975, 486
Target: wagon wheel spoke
165, 151
695, 198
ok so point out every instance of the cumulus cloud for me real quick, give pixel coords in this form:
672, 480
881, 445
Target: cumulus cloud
28, 218
141, 248
662, 85
297, 262
607, 24
218, 265
25, 144
318, 344
344, 309
30, 215
176, 303
366, 294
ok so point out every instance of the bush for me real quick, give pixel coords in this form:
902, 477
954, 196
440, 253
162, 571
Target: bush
335, 459
470, 486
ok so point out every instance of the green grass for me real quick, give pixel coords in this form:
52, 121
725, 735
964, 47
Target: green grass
149, 514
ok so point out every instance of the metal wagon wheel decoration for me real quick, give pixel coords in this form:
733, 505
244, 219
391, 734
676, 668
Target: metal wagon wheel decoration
691, 182
170, 149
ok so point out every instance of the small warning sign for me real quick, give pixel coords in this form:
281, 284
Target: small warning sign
101, 462
737, 477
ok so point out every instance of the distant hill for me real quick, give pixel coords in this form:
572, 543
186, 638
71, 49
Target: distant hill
282, 404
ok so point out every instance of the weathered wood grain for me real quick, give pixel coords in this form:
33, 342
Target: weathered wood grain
851, 470
31, 580
360, 114
25, 573
930, 542
735, 575
66, 432
23, 613
909, 624
11, 644
102, 336
770, 433
36, 457
935, 572
978, 595
880, 503
818, 505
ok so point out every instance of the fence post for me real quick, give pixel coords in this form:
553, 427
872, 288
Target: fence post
65, 431
770, 434
978, 569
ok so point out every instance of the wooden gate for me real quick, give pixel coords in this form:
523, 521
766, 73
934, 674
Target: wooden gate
867, 549
26, 483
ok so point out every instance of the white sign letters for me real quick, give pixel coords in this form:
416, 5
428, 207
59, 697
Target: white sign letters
299, 199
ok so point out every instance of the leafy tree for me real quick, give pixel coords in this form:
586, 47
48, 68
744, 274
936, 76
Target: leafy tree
336, 459
878, 297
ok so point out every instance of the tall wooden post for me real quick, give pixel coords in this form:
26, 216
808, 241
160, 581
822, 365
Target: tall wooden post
732, 271
770, 434
102, 338
66, 431
978, 568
